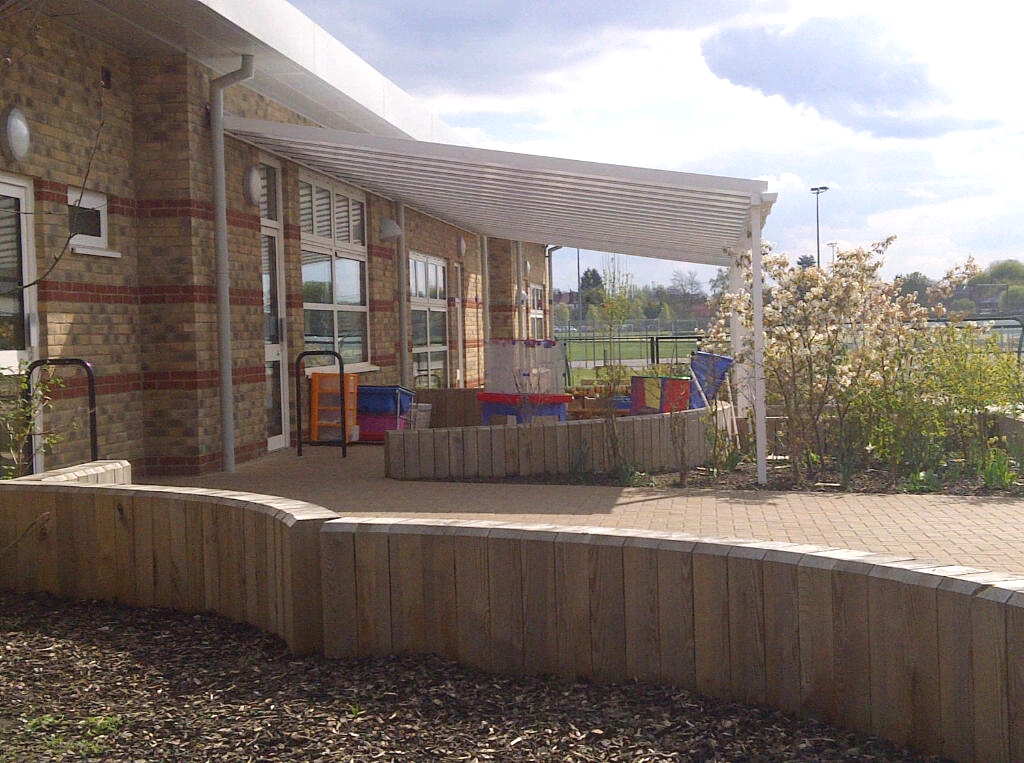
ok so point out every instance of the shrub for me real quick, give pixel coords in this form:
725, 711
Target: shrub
862, 377
20, 417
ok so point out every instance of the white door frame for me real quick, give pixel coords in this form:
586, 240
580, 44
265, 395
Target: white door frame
276, 352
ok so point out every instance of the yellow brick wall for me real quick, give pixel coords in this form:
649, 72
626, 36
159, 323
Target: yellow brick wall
507, 280
147, 320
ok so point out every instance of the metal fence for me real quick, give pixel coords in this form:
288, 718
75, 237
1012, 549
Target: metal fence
587, 353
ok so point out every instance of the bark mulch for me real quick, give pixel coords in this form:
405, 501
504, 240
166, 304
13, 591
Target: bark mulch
96, 681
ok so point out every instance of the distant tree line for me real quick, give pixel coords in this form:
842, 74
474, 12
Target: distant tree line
683, 302
996, 290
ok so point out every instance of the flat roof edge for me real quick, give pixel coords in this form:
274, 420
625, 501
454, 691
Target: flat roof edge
287, 31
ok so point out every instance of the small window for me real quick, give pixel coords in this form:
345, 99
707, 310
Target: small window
537, 318
87, 223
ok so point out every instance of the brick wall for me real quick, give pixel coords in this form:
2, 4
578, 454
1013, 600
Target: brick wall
147, 320
508, 279
82, 134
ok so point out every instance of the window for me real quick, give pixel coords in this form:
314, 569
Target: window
334, 288
428, 301
87, 223
537, 323
16, 302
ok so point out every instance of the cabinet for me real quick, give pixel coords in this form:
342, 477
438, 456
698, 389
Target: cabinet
328, 408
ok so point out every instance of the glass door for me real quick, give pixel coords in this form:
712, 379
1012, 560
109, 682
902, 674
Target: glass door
275, 353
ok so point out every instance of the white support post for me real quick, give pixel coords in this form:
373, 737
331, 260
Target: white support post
757, 299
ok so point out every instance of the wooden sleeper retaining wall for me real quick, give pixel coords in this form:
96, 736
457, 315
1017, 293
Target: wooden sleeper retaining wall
928, 656
252, 558
563, 448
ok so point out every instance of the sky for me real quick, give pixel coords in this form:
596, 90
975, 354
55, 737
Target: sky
907, 110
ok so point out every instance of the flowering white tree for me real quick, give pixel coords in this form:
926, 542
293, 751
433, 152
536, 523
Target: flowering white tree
859, 375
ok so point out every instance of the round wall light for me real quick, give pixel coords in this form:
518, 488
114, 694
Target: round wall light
15, 136
252, 184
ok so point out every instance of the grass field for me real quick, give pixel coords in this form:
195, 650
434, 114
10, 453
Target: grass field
598, 352
584, 355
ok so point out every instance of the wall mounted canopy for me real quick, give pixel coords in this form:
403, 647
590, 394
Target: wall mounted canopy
664, 214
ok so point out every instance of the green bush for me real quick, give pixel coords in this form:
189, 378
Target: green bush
20, 418
865, 381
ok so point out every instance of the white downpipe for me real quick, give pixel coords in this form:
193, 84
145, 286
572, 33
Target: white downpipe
521, 308
404, 356
485, 284
757, 298
220, 227
549, 288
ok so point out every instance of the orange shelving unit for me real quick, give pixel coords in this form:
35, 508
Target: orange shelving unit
329, 408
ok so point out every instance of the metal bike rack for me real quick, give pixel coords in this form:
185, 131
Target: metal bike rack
91, 382
299, 375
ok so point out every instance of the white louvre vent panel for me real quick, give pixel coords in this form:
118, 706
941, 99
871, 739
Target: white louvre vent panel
10, 241
341, 216
358, 225
322, 213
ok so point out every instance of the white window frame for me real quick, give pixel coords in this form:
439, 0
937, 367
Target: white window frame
22, 189
82, 243
431, 304
536, 310
272, 228
347, 247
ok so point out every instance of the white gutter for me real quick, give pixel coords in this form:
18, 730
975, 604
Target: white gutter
220, 226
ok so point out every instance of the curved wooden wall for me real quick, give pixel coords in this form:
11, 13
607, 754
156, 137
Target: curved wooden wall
924, 655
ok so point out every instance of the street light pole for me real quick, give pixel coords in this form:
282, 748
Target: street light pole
817, 191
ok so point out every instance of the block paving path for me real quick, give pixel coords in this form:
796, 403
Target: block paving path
974, 531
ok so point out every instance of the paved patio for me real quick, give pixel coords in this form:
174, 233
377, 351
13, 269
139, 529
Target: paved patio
974, 531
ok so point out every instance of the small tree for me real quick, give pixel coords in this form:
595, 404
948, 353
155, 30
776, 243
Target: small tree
21, 410
1012, 300
613, 313
561, 314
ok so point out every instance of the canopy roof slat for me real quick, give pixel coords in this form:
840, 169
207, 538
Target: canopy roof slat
669, 215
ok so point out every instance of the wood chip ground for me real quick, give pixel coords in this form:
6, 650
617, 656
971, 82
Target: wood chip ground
95, 681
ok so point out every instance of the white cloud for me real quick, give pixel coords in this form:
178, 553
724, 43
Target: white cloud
608, 85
